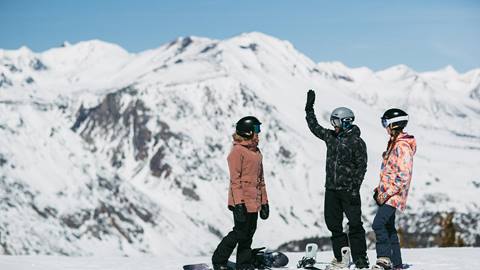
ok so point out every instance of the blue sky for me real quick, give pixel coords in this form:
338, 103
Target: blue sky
425, 35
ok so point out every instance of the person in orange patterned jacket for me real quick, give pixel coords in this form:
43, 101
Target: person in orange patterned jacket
392, 191
246, 197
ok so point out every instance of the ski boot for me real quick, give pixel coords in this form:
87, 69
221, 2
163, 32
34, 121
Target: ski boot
383, 263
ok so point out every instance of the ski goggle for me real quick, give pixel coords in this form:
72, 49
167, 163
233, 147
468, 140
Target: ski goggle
386, 122
256, 129
336, 122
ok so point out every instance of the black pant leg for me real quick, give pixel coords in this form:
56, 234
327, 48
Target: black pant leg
244, 249
225, 248
333, 212
356, 232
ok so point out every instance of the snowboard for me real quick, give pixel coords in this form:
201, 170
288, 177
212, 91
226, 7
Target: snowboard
204, 266
263, 259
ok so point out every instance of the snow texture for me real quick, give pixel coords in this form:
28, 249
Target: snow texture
105, 152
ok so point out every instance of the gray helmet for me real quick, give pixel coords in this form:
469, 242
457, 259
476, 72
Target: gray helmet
342, 117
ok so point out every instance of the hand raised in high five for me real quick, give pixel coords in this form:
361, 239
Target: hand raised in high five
310, 100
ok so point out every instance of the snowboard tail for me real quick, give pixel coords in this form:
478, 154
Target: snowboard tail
198, 266
204, 266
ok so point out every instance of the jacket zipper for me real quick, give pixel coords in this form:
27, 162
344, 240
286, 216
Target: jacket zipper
335, 165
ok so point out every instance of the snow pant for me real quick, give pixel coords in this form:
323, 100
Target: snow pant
388, 244
241, 235
338, 202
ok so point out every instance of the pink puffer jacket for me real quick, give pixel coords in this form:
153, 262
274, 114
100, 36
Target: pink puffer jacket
246, 176
396, 172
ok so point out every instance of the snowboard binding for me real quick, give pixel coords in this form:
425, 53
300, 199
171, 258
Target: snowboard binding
265, 259
309, 260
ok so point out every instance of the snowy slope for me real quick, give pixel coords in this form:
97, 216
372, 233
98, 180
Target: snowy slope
126, 152
416, 259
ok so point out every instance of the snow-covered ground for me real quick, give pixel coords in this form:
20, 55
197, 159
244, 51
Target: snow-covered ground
417, 259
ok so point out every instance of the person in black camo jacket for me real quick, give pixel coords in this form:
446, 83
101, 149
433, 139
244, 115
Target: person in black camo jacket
345, 169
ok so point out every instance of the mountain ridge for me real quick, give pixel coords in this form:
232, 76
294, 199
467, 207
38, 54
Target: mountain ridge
129, 154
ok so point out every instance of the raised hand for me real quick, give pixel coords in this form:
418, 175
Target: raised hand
310, 100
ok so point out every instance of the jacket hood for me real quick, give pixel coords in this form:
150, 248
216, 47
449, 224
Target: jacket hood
405, 137
251, 144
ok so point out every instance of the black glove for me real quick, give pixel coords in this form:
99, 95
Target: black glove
240, 213
310, 100
265, 211
375, 197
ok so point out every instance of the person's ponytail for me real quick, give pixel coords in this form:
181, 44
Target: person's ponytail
391, 142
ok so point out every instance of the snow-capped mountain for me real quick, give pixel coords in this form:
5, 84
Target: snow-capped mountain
109, 152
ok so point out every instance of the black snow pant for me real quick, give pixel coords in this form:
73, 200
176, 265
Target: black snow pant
338, 202
242, 234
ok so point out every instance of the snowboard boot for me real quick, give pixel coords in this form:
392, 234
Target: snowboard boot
383, 263
401, 267
336, 265
362, 263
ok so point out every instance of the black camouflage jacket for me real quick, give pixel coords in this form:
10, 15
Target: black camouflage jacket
346, 155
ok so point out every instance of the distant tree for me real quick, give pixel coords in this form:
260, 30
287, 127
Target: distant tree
448, 232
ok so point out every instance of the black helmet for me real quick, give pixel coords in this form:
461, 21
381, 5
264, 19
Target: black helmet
394, 118
247, 126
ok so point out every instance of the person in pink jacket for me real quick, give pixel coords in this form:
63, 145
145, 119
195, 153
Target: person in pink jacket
392, 191
247, 195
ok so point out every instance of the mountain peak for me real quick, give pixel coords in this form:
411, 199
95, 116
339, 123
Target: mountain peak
397, 72
257, 37
94, 50
450, 69
22, 52
96, 44
445, 73
65, 44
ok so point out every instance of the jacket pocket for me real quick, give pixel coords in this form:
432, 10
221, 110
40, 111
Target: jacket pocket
249, 189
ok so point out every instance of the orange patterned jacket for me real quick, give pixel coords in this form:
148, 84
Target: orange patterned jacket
396, 172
